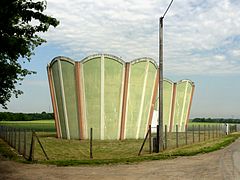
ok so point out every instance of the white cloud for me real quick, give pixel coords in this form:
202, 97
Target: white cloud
197, 34
236, 53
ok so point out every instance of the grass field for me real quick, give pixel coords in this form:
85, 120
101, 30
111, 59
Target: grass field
75, 152
65, 153
203, 123
104, 149
58, 149
37, 125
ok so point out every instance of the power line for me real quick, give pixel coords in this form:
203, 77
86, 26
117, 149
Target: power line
167, 9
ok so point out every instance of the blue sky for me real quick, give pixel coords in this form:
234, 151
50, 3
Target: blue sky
201, 43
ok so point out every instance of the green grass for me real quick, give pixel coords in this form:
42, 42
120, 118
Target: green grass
74, 152
79, 150
113, 152
37, 125
203, 123
203, 147
7, 152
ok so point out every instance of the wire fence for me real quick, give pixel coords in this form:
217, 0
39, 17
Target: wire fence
22, 140
19, 139
194, 134
25, 141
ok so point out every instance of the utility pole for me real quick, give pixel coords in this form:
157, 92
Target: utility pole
160, 88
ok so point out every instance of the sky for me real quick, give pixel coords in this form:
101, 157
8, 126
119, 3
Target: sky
201, 43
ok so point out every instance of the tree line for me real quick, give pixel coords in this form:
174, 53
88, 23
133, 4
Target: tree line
216, 120
10, 116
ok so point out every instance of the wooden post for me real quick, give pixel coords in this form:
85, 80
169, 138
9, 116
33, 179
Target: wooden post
177, 136
219, 130
150, 139
25, 144
4, 135
6, 139
91, 133
209, 132
19, 141
143, 143
186, 134
32, 147
9, 135
199, 135
157, 139
213, 131
204, 129
41, 147
12, 139
166, 145
15, 138
193, 134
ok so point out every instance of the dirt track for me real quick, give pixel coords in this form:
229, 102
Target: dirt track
222, 164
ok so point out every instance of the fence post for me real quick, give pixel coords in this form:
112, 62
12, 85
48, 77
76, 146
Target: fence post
166, 145
150, 139
25, 144
5, 133
39, 142
213, 131
204, 132
32, 147
177, 136
6, 139
19, 141
209, 132
193, 133
9, 136
219, 132
15, 138
143, 143
186, 134
157, 139
91, 156
199, 136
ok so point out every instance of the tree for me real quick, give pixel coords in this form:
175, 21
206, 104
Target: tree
20, 21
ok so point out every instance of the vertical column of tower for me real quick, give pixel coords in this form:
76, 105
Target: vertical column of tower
121, 101
102, 119
139, 120
183, 106
154, 98
124, 102
54, 103
79, 90
63, 99
190, 105
173, 107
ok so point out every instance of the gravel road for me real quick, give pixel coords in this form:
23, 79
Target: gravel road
222, 164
